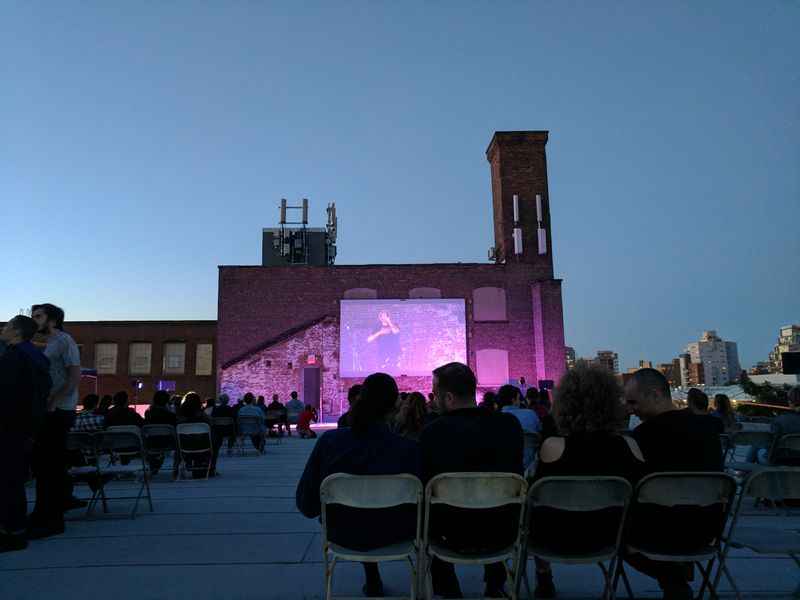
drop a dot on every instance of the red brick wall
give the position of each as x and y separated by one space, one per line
88 333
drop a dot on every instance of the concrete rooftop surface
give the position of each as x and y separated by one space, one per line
239 536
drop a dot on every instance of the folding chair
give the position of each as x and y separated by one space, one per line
578 495
247 426
371 492
86 444
670 491
475 491
226 428
160 440
274 416
761 440
786 451
194 441
126 454
776 484
125 444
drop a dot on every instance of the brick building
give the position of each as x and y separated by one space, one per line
278 326
177 356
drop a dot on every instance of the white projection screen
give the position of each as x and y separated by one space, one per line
400 337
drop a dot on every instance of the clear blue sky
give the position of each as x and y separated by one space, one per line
144 143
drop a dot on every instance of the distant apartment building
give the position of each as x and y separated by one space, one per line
761 368
608 360
690 373
719 359
788 341
570 357
672 371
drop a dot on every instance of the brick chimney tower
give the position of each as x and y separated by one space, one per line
519 168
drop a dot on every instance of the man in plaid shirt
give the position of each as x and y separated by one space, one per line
86 420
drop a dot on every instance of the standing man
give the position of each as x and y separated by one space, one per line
53 485
24 388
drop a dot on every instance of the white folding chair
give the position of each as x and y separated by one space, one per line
670 491
770 483
475 491
371 492
578 495
194 442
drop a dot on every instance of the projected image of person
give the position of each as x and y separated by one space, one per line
387 339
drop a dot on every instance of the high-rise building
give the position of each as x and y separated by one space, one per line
761 368
788 341
607 359
720 359
672 371
569 351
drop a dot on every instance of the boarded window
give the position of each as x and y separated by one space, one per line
425 292
360 294
174 358
139 356
205 359
489 304
105 358
492 366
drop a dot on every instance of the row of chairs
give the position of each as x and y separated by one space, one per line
779 448
480 491
244 426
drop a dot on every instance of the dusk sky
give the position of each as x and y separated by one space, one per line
144 143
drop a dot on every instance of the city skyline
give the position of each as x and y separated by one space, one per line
146 146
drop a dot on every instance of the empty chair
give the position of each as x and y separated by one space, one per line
602 503
770 483
371 492
474 492
786 451
126 454
679 518
196 450
160 440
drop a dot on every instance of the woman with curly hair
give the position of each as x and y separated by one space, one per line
410 417
589 413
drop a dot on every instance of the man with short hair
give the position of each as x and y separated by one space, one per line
87 420
159 412
121 414
352 395
788 422
279 410
249 409
697 402
24 389
672 440
469 438
50 457
294 407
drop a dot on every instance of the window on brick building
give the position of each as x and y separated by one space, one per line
425 292
204 365
174 362
140 355
105 358
492 366
269 363
489 304
360 294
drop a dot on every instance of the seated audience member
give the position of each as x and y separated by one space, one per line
175 404
724 411
224 411
293 408
122 414
88 420
282 420
352 396
261 404
788 422
671 440
489 401
365 447
589 414
509 399
250 409
469 438
159 413
105 404
410 416
308 416
697 402
544 412
191 411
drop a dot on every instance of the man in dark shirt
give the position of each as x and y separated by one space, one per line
672 440
469 438
121 414
158 413
24 369
366 447
277 415
352 396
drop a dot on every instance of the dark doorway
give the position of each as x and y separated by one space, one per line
311 387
